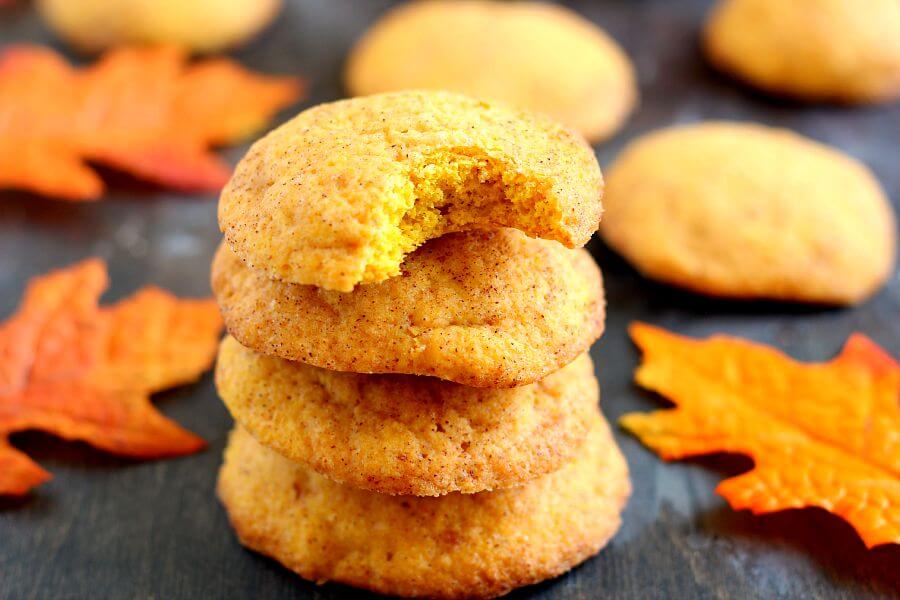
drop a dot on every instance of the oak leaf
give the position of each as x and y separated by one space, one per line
84 372
825 434
145 111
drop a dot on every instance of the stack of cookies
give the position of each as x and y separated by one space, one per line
410 318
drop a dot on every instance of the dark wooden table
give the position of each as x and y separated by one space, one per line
111 528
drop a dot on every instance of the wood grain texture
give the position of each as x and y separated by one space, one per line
109 528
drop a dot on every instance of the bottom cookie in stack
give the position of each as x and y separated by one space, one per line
452 546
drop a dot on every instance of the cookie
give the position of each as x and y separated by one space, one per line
402 434
818 50
200 25
537 56
456 546
746 211
481 308
341 193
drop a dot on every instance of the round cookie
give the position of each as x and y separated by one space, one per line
200 25
542 57
826 50
481 308
456 546
402 434
746 211
341 193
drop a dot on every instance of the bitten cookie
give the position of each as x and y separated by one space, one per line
343 192
200 25
401 434
456 546
746 211
538 56
827 50
482 308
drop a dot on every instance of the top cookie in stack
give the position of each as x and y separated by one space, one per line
411 318
342 193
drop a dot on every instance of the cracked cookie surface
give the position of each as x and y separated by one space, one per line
535 55
481 308
403 434
340 194
746 211
456 546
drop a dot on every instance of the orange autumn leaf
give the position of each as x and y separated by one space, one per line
825 434
145 111
84 372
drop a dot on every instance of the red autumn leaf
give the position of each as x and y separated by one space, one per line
145 111
825 434
84 372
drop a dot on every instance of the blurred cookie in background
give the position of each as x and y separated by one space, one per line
820 50
533 55
199 25
746 211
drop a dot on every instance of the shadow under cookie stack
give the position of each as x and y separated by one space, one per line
409 314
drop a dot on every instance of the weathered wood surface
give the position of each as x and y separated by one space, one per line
109 528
